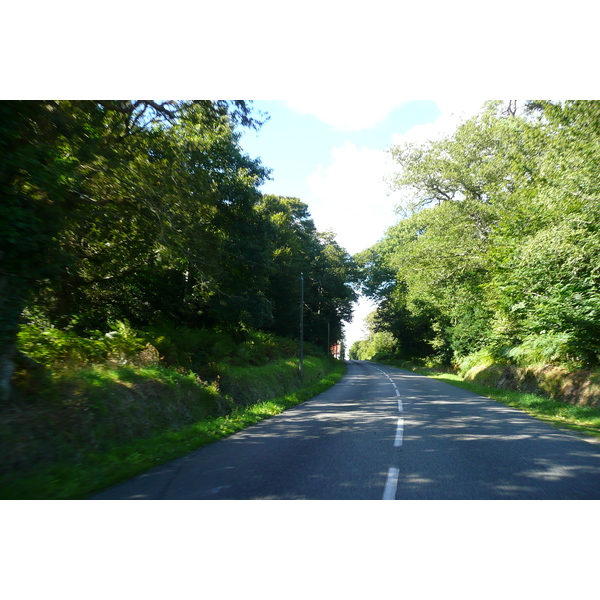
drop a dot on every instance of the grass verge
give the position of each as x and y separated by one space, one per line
582 419
95 471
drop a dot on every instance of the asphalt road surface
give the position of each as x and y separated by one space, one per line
383 434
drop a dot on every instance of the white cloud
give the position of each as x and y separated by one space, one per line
453 112
352 195
351 198
351 114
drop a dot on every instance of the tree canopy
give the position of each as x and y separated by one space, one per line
499 250
151 212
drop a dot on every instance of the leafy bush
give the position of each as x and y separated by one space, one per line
204 352
123 343
483 357
52 347
544 348
196 349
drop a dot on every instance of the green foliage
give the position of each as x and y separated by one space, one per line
50 346
248 384
296 248
481 358
384 342
198 350
201 349
498 251
149 213
381 345
87 409
541 349
105 424
53 347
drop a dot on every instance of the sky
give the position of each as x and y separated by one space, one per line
332 155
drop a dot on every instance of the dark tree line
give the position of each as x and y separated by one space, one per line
151 212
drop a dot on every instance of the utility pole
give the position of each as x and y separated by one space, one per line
301 325
328 336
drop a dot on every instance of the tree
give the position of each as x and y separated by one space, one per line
500 241
545 278
296 247
431 270
103 200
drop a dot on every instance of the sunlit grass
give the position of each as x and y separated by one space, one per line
120 460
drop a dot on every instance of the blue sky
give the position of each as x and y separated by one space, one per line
307 154
331 154
294 144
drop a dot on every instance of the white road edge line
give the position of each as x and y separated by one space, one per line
399 432
389 493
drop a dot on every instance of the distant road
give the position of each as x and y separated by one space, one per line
383 433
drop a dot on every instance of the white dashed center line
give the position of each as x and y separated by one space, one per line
399 433
389 493
391 484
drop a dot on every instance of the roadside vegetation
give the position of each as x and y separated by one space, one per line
494 270
150 294
80 426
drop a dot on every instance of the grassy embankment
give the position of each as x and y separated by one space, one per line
89 426
572 415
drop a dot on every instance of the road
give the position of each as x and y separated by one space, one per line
383 434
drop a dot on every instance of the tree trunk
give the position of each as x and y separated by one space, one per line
12 302
7 368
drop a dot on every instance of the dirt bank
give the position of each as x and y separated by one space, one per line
580 387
